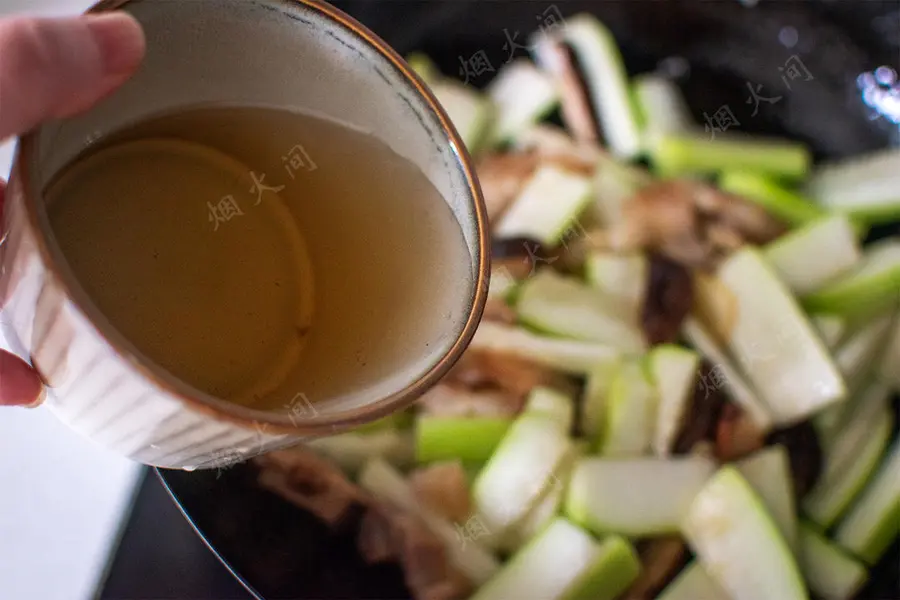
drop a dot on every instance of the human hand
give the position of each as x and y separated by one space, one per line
51 69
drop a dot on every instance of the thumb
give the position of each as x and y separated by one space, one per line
55 68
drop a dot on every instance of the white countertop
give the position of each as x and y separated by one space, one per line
63 500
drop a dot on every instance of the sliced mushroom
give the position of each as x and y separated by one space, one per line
702 417
515 376
805 452
555 146
444 488
456 401
736 434
387 534
502 176
668 301
556 57
310 482
690 222
661 560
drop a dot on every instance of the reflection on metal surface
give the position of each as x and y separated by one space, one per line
880 91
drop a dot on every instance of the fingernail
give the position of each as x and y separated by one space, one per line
19 383
121 41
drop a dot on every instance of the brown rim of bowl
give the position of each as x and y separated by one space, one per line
278 423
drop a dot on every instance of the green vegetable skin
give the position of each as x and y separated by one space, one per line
565 307
693 583
596 391
853 466
874 285
874 521
553 405
690 154
607 83
565 563
857 356
631 413
470 439
865 186
768 471
889 369
782 203
532 216
775 344
635 497
521 471
738 543
674 372
831 573
811 256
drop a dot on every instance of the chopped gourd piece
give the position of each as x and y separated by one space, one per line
831 329
424 67
607 83
470 111
388 485
674 370
470 439
522 95
614 184
563 306
849 463
547 206
831 573
857 356
620 276
631 413
872 286
570 356
662 108
693 583
635 497
874 521
768 471
775 344
815 254
551 404
677 154
738 543
779 201
565 563
596 391
867 187
521 471
738 388
889 367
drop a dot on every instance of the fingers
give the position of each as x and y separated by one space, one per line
19 383
55 68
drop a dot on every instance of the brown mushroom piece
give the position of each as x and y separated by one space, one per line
387 534
736 434
804 452
668 301
661 560
689 222
483 370
311 482
502 176
443 488
578 114
702 416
